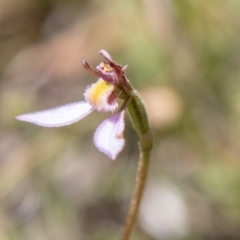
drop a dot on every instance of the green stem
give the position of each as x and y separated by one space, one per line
137 195
138 115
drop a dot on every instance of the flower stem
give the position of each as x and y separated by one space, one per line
138 115
137 195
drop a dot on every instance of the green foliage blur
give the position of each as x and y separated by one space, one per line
183 57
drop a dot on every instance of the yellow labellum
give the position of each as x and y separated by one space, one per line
97 90
98 95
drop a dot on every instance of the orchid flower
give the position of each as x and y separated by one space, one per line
102 96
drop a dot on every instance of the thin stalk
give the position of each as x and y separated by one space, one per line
137 195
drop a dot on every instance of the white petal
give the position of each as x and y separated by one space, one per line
59 116
108 136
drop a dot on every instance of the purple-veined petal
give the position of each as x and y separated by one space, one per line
59 116
106 55
108 137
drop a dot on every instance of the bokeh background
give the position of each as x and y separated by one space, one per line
183 57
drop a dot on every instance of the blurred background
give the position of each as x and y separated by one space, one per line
183 57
